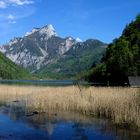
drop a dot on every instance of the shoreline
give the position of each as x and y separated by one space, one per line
118 104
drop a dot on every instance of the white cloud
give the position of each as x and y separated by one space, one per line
6 3
21 2
17 13
11 17
3 4
78 40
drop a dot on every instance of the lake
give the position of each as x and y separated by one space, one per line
40 82
18 124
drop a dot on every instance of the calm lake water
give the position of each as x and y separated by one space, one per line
18 124
51 82
41 82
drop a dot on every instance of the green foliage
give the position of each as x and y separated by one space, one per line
9 70
98 73
122 57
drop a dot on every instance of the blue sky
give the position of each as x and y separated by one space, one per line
98 19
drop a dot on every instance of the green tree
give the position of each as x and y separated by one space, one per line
122 58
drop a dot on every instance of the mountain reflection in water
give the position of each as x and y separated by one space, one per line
16 123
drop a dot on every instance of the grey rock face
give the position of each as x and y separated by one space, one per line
37 48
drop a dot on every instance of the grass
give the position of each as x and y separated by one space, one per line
122 105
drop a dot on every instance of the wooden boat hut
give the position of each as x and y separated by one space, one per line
134 81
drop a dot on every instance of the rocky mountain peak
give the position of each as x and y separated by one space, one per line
50 27
32 32
42 47
48 30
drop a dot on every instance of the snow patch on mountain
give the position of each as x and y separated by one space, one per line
48 30
12 42
32 32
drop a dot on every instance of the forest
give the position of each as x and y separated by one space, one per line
121 60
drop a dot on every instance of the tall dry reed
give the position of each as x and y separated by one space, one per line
122 105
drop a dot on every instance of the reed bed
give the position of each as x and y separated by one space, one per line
122 105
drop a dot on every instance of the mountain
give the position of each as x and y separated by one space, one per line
37 48
9 70
122 57
79 58
44 53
